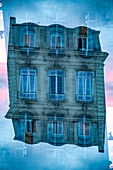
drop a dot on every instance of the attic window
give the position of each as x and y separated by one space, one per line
56 41
82 39
82 43
56 37
29 39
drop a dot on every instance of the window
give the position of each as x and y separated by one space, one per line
82 43
30 126
56 84
56 41
83 39
29 40
28 83
84 126
56 127
84 129
85 81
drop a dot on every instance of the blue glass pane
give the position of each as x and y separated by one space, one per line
88 98
24 71
53 97
52 72
80 73
53 85
24 84
60 73
88 74
32 72
60 90
88 92
80 98
80 83
60 97
32 89
80 91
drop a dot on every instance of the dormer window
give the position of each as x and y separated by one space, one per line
82 43
56 38
56 41
29 39
83 39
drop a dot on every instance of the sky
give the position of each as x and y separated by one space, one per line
70 13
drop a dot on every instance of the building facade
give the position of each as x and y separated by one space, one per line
56 84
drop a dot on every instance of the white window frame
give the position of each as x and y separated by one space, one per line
56 75
30 34
55 35
28 94
84 87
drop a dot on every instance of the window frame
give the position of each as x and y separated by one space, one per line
57 126
30 33
56 35
84 89
31 126
55 74
27 92
84 121
83 48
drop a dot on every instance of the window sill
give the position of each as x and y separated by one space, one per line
83 100
56 97
83 137
27 100
27 50
31 134
56 52
57 135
